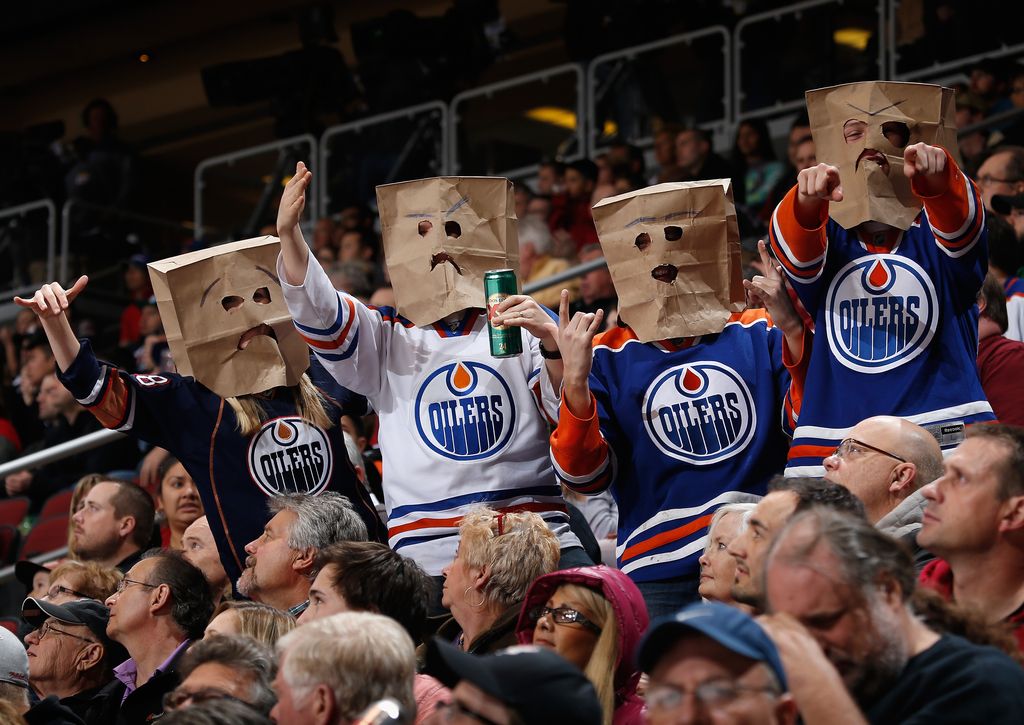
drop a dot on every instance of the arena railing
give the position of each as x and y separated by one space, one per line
20 212
670 56
773 74
540 94
376 163
287 151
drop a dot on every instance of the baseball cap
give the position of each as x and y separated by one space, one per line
728 626
26 569
88 612
1005 203
538 684
13 660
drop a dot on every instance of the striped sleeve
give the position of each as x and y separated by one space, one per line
343 333
800 250
797 376
580 455
957 215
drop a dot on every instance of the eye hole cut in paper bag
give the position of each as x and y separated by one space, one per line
225 317
673 251
891 117
440 236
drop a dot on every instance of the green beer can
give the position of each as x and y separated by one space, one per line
499 285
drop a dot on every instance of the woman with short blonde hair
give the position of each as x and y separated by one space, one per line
259 621
71 580
499 556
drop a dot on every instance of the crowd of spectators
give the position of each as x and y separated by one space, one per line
891 590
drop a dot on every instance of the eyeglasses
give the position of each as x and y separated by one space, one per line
712 694
564 615
46 628
178 698
988 180
852 446
58 589
450 711
126 582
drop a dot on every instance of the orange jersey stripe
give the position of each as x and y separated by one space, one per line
454 521
665 537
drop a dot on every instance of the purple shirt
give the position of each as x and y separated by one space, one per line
127 671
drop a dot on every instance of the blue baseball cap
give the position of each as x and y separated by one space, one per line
728 626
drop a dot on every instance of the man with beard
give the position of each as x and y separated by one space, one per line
113 525
279 568
839 595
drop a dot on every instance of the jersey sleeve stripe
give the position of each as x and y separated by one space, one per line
335 357
810 451
454 521
665 537
341 338
113 407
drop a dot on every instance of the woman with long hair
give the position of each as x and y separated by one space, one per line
594 617
177 501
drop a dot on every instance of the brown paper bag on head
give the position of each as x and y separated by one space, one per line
225 318
440 236
890 116
673 251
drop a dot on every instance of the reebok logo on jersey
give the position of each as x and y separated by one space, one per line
290 455
465 412
700 413
882 313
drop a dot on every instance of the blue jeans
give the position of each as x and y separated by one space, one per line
668 596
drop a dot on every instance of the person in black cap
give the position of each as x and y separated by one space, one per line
1011 208
720 656
516 686
70 656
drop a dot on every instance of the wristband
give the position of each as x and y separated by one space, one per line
550 354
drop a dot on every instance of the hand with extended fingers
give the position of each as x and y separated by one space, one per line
769 291
925 166
52 300
293 200
525 312
819 182
575 340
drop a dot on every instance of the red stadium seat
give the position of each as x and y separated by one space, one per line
59 504
13 510
10 624
9 537
47 535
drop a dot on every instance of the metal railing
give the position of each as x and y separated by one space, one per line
619 60
282 148
61 451
544 78
20 211
421 115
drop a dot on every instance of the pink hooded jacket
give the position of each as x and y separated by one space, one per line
630 615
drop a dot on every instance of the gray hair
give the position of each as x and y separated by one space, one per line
535 231
362 657
320 520
867 557
744 509
245 656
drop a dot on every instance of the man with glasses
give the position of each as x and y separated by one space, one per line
712 663
70 655
1001 173
226 666
975 522
161 605
886 462
786 497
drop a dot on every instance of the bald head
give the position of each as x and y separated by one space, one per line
870 464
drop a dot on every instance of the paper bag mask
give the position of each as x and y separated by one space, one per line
225 318
673 251
863 128
440 236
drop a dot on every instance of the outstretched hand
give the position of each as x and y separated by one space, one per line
575 342
925 166
769 291
819 182
51 299
293 200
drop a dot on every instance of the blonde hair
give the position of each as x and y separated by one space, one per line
259 621
82 488
310 404
600 669
362 657
88 578
744 509
516 547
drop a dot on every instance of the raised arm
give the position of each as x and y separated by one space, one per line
50 303
797 230
951 201
294 250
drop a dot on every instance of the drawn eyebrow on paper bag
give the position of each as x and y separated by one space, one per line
671 216
875 113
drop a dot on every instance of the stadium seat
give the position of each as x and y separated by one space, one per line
45 536
9 537
59 504
10 624
13 510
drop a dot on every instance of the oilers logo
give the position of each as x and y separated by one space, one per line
290 455
883 312
465 411
700 413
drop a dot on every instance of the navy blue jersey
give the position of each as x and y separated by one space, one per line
233 473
